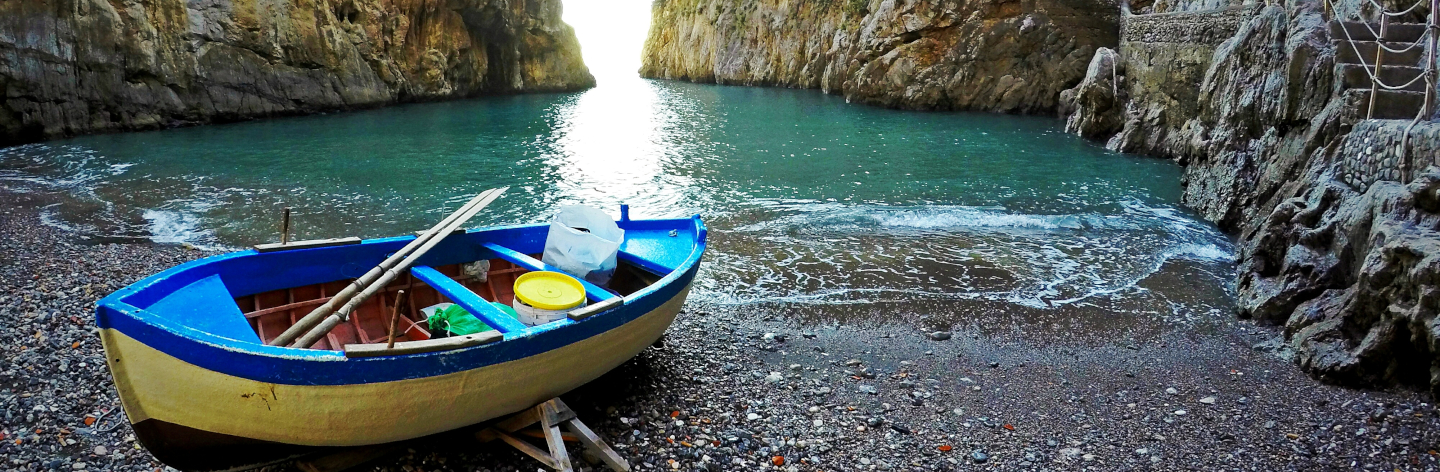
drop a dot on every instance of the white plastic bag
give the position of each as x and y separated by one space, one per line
583 241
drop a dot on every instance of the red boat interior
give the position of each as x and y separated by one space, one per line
270 313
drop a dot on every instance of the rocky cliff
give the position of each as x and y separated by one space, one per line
78 66
1337 217
998 55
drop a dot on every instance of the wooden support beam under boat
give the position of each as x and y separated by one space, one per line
551 415
594 292
467 299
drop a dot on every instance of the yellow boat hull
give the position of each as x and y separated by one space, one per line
189 415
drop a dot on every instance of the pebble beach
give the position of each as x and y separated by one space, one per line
746 387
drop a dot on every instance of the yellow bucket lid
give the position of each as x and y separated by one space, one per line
549 290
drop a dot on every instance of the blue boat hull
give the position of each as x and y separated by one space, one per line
204 393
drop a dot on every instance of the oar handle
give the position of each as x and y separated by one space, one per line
343 313
308 321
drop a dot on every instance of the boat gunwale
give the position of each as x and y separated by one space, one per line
530 341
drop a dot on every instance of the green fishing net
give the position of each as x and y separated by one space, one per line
458 322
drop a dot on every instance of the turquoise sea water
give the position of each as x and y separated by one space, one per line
814 203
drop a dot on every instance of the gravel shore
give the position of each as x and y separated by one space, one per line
748 388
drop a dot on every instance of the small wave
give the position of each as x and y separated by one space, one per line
834 253
1204 252
840 217
966 217
836 216
49 216
173 227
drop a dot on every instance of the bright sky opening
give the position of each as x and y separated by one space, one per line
611 34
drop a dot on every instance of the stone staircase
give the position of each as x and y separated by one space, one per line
1395 68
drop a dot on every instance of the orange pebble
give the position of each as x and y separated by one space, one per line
778 460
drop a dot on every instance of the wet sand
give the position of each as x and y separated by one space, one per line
736 387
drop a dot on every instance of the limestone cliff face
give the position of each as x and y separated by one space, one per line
78 66
998 55
1337 217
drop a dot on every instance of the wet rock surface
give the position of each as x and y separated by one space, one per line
740 388
1010 56
80 66
1336 235
1095 108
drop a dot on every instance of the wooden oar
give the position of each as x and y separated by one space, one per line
339 316
308 321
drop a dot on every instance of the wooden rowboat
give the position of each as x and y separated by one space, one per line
203 391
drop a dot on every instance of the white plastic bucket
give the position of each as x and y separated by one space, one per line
532 316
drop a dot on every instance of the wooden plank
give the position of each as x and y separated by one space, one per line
587 310
550 418
589 438
347 458
287 307
457 231
311 244
551 415
537 434
554 412
428 345
520 420
528 449
593 441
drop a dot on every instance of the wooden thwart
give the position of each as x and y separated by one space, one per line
427 345
552 415
310 244
586 311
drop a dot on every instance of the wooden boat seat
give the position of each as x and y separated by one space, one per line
467 299
194 306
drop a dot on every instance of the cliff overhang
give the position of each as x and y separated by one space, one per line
71 67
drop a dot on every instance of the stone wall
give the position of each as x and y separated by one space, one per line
1165 57
1375 151
1210 27
79 66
